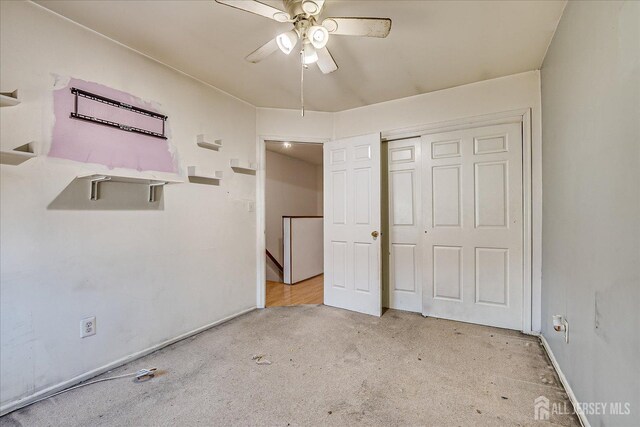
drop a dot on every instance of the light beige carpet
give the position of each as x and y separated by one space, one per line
328 366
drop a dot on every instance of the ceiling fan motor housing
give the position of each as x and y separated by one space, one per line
294 8
307 8
302 24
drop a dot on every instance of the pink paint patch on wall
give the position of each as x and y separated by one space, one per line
89 142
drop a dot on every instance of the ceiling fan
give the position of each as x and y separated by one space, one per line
308 30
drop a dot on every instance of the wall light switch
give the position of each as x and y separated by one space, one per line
87 327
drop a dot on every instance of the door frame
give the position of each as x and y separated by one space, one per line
531 196
261 214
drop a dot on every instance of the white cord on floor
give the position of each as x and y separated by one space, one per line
141 375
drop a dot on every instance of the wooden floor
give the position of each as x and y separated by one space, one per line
311 291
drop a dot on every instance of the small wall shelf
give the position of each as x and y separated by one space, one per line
237 166
9 99
209 142
95 179
197 175
17 155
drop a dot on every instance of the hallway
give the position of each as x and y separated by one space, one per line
309 291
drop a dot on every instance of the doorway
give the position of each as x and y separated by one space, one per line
293 192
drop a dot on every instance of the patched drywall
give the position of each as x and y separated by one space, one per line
591 234
149 272
90 142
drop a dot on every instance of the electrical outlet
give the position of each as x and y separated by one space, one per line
87 327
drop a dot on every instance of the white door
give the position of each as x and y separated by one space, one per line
472 198
352 224
405 225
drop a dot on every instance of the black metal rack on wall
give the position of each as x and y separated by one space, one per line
117 104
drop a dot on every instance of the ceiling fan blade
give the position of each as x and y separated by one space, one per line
258 8
263 51
325 61
367 27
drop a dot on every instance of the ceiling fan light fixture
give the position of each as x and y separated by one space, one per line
330 24
281 17
287 41
318 36
312 7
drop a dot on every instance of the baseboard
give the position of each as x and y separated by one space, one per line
565 383
20 403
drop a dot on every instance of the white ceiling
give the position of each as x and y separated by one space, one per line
433 45
310 153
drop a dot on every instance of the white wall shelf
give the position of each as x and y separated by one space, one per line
17 155
9 99
240 167
209 142
202 177
95 179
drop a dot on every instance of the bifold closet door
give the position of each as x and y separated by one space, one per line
405 225
473 225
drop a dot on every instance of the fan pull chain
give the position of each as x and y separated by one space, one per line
302 82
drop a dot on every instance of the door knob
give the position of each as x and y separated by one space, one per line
375 234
